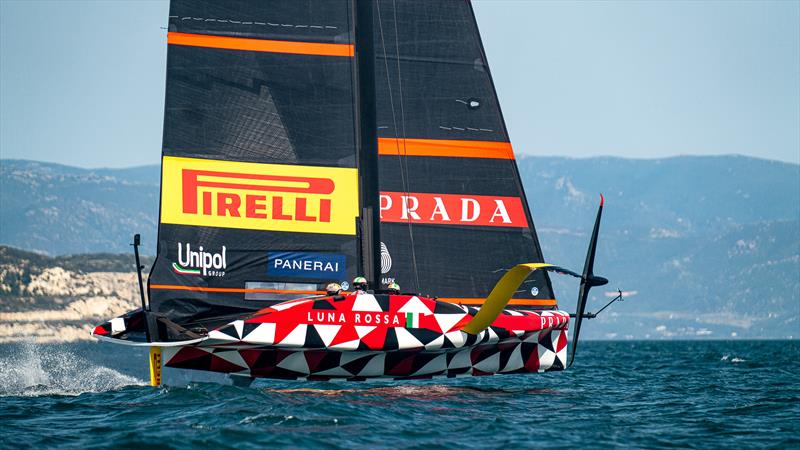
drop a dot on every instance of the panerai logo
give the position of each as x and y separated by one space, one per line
199 262
315 266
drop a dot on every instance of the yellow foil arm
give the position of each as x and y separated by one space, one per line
500 295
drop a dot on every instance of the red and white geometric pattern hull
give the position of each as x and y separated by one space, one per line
534 352
360 336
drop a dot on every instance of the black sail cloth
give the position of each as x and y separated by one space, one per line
260 199
258 151
445 149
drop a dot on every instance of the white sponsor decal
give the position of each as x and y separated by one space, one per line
207 263
386 259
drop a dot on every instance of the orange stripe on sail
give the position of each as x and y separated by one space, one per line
512 302
176 287
260 45
445 148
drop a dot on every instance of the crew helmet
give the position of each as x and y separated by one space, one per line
359 284
333 289
393 288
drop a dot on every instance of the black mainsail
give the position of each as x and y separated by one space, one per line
310 141
454 214
267 192
259 196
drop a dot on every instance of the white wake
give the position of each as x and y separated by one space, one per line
35 370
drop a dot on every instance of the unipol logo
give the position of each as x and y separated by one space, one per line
198 261
259 196
451 209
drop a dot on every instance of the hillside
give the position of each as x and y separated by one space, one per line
710 245
55 209
707 246
58 299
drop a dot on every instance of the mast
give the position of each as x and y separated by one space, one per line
367 142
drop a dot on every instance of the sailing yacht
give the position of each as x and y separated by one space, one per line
308 142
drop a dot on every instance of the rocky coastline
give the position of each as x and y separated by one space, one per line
57 300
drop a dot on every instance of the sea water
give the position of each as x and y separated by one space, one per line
696 394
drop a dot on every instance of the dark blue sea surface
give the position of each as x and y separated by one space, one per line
701 394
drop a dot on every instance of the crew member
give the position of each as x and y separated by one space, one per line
359 284
393 288
333 289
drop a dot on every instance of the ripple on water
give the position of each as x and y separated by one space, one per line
640 394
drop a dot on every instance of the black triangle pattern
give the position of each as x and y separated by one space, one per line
420 360
446 308
383 302
447 343
357 365
390 343
505 355
331 360
424 335
313 339
229 330
546 341
248 328
323 304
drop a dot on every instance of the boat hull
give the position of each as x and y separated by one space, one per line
534 352
361 336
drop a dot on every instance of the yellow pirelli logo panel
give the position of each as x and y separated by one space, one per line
253 196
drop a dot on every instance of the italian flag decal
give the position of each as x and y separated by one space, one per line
179 269
412 320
